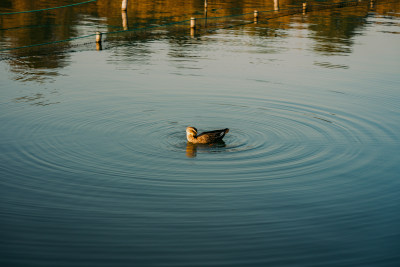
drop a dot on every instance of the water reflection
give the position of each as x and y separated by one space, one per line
192 149
38 99
329 65
337 38
107 174
332 30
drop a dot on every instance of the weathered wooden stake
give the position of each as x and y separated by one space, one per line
98 37
124 16
276 5
98 41
193 23
304 8
124 5
205 3
256 14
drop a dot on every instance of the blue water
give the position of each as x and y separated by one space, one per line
96 170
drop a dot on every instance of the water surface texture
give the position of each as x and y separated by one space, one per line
95 169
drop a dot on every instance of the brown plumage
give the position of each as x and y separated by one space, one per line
206 137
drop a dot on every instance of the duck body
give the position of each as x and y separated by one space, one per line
206 137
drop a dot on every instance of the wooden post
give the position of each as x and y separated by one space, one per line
255 14
124 5
98 37
205 3
124 20
193 23
304 8
98 41
276 5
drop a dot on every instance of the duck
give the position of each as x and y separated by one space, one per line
206 137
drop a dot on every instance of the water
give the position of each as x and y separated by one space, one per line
96 171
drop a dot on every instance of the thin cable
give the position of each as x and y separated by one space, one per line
292 11
45 9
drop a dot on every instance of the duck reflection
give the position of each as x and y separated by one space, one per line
191 149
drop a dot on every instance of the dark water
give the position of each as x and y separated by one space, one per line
96 171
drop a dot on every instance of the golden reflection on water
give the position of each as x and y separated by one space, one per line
192 149
332 30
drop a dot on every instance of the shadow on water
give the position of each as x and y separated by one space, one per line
193 149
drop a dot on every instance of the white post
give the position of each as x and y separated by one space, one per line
276 5
124 5
98 41
193 23
124 20
98 37
255 16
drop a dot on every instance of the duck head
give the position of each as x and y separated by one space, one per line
191 132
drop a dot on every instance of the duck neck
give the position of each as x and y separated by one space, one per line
191 138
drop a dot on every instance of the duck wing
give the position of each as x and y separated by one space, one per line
212 136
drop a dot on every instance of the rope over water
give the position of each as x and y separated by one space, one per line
45 9
281 13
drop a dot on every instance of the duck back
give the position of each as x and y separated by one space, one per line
211 136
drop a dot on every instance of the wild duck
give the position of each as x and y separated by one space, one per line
206 137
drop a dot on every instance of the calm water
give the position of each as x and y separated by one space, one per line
96 171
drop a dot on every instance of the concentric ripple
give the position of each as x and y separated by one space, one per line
130 172
268 140
307 175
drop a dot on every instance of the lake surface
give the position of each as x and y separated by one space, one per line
96 170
